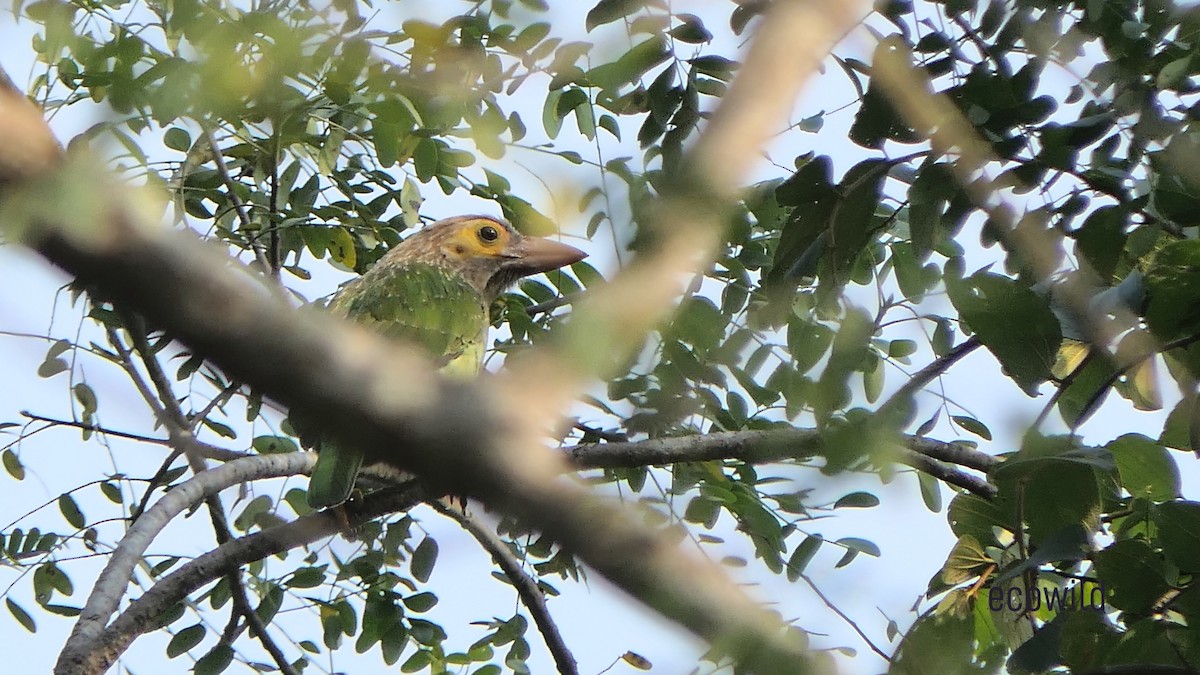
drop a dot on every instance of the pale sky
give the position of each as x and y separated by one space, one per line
598 623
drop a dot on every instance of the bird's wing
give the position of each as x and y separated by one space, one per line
423 304
419 303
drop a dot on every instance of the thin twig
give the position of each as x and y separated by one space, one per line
95 428
551 304
945 473
273 243
207 450
1062 388
1124 368
239 207
609 436
926 375
219 400
155 482
849 622
527 587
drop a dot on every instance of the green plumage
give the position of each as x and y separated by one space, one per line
434 289
423 304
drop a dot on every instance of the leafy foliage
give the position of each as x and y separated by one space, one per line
306 139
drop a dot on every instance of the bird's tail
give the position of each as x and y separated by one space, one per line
333 475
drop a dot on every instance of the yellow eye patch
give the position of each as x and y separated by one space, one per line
478 238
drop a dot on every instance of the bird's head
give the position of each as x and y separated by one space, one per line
487 252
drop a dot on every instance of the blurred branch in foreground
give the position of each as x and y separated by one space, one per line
380 396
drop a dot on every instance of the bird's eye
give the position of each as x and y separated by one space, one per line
488 233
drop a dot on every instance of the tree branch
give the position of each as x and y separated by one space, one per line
110 586
924 454
927 374
142 614
239 208
527 587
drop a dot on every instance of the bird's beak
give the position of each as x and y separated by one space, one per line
532 255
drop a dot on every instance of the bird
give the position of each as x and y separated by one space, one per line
434 290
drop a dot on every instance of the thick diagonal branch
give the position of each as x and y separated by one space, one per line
388 401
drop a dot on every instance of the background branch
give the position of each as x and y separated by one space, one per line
110 586
756 447
142 614
527 587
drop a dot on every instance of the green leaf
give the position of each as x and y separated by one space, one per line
714 65
1146 468
86 397
877 121
854 221
307 577
421 602
973 425
632 65
939 642
1101 239
215 661
70 511
426 159
803 555
219 428
1057 494
417 662
1067 545
857 500
21 615
524 217
691 30
551 120
1087 389
177 138
807 342
51 367
1013 322
607 11
744 12
12 464
873 380
908 271
964 561
898 349
423 559
1179 533
1132 574
703 511
850 344
1173 288
273 445
1172 74
860 545
111 492
185 639
931 491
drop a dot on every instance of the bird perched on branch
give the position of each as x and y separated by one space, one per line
434 290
